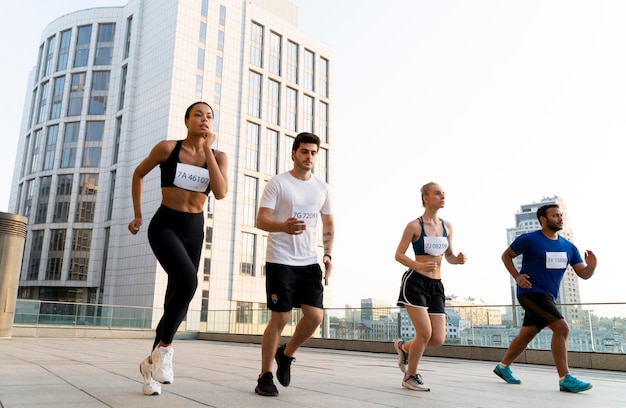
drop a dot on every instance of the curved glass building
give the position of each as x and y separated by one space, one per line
109 84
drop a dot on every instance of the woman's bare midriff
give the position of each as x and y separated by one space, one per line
183 200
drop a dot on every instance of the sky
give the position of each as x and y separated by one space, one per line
501 103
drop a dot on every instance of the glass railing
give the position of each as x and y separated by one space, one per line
594 327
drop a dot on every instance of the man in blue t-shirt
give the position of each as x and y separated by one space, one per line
546 255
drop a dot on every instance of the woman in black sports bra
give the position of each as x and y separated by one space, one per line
190 169
421 292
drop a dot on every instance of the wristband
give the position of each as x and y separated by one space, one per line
329 257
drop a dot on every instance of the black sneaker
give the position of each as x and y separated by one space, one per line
265 385
283 372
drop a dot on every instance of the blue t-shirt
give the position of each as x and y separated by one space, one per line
545 261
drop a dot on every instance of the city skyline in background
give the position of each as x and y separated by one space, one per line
502 104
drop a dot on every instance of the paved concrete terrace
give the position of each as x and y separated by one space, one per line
79 372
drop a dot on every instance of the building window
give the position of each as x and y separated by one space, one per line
256 45
43 101
120 104
51 145
64 49
93 144
99 92
252 147
219 63
63 197
271 152
321 165
291 109
42 200
57 97
35 254
292 62
287 146
254 95
55 254
244 312
323 122
81 54
324 77
248 243
47 70
28 200
275 53
309 70
86 200
250 201
70 142
34 155
129 29
222 15
220 40
118 136
200 62
273 102
81 245
307 114
77 90
111 195
104 44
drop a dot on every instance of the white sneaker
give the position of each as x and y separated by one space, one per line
415 382
150 387
162 370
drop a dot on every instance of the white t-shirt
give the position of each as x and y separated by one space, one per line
303 199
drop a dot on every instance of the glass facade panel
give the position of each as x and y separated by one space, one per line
104 44
275 53
292 62
51 145
57 97
250 201
43 199
271 152
86 200
63 196
254 95
256 45
64 49
81 53
309 70
247 254
273 102
99 92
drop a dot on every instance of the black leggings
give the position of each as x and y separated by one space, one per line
176 240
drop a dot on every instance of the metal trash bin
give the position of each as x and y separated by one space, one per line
12 238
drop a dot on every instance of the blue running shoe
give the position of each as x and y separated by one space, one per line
506 374
569 383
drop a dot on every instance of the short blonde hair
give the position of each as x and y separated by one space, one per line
425 190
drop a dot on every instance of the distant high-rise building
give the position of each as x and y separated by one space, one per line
569 293
374 309
109 84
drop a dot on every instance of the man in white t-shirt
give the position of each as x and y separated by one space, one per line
292 204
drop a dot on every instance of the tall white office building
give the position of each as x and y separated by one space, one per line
569 292
109 84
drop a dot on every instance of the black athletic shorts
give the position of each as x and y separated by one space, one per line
421 291
539 309
293 286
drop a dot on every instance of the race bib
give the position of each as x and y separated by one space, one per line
306 213
191 177
556 260
435 245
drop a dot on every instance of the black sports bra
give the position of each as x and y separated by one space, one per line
185 176
435 246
